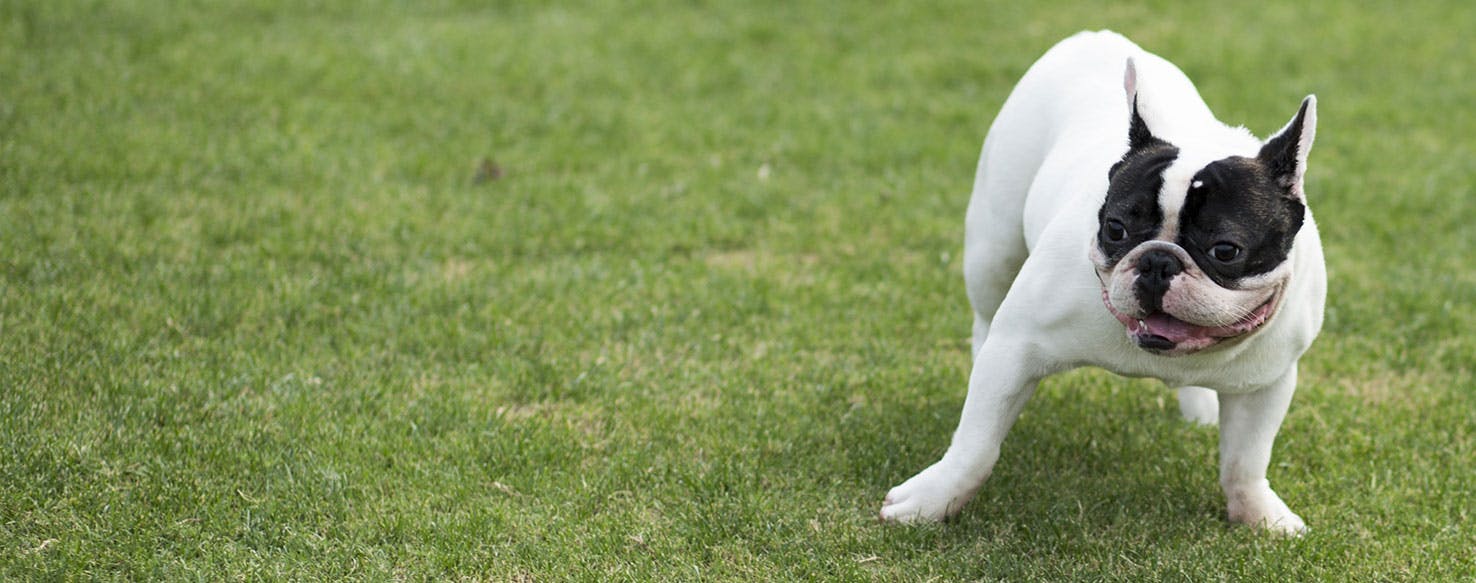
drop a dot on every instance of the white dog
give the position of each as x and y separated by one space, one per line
1139 235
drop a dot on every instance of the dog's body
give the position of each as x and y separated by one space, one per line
1196 263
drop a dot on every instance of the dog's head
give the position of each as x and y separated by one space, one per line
1194 235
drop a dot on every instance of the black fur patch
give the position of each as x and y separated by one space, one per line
1138 135
1243 202
1132 197
1132 189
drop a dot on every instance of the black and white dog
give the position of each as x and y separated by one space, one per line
1142 236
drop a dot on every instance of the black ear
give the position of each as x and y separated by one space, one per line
1285 154
1139 136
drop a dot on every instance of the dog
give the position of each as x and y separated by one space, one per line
1143 236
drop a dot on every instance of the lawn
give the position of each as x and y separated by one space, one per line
536 291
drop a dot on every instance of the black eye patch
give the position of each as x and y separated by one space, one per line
1237 200
1132 199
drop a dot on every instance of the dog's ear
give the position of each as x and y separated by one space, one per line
1285 154
1139 136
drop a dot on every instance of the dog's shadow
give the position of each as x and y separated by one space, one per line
1092 451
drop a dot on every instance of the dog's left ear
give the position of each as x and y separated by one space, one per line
1285 154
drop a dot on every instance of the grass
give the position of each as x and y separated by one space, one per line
259 318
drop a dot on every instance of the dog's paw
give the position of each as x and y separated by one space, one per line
1261 509
932 495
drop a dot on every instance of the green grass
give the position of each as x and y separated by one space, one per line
259 321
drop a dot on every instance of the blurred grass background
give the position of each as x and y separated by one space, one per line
665 290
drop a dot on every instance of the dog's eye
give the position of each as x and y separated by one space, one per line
1224 252
1114 230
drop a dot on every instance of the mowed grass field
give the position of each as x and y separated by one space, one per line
639 291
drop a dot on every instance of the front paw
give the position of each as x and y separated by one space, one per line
932 495
1261 508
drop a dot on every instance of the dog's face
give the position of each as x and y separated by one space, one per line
1192 251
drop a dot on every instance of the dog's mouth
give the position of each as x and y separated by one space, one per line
1162 333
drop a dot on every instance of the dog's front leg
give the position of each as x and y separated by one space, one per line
1248 425
1001 382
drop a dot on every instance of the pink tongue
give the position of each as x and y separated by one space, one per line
1172 328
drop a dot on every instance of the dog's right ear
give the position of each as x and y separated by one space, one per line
1139 136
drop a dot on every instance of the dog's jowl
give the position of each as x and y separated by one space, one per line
1116 223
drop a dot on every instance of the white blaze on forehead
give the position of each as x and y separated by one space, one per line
1178 178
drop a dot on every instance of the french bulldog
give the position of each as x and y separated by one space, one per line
1139 235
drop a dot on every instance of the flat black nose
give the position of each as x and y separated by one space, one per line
1156 269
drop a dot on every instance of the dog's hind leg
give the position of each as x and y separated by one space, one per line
994 239
1199 405
988 272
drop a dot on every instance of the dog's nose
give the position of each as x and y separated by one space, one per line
1159 265
1156 269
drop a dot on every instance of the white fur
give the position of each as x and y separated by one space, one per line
1031 224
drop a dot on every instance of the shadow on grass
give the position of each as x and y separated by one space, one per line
1092 455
